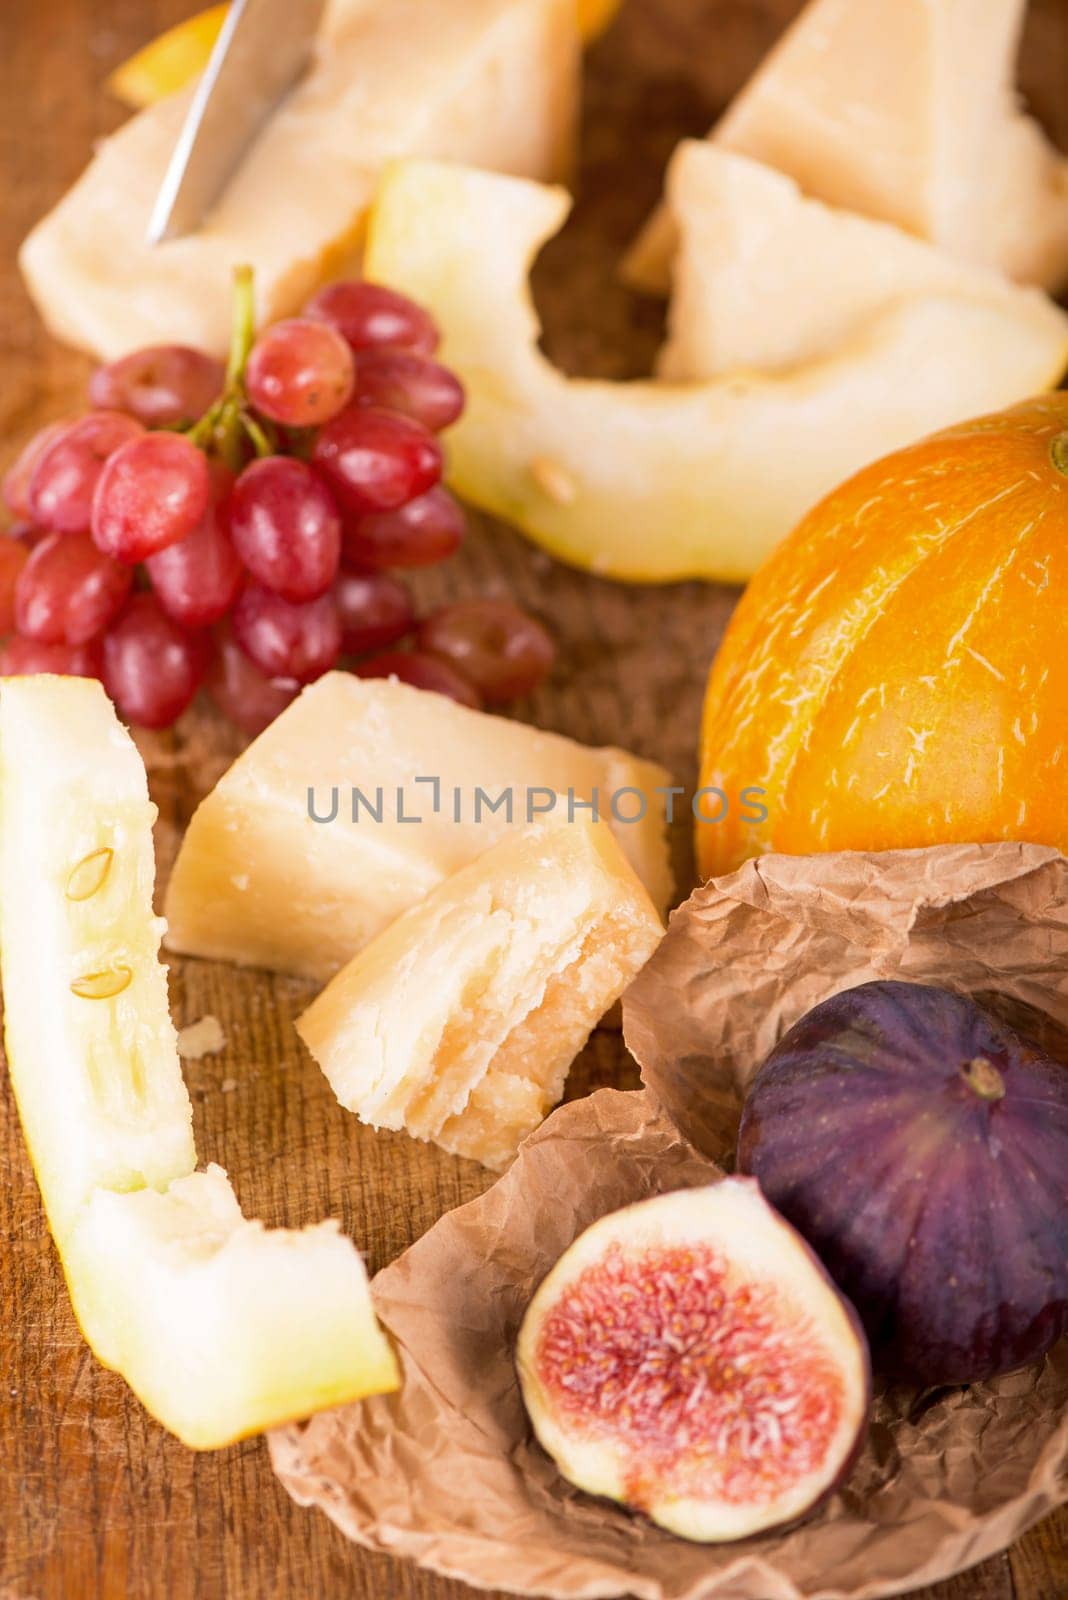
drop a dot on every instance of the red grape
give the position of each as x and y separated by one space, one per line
422 672
399 380
242 694
25 658
16 485
24 534
197 580
300 373
375 609
294 642
285 527
503 651
369 314
68 592
64 479
13 557
152 493
152 667
162 385
427 530
376 460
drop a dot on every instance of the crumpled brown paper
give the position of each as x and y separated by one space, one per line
446 1472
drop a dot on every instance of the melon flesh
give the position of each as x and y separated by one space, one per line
98 1081
652 482
221 1327
258 882
460 1021
492 81
766 279
903 110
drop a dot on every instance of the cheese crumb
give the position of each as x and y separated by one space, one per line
199 1039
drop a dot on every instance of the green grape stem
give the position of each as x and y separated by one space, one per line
227 425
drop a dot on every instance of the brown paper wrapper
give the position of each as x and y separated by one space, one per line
447 1472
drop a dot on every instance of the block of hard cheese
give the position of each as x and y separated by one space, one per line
403 782
460 1021
492 82
903 110
768 279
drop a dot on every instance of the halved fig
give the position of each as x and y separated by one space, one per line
689 1357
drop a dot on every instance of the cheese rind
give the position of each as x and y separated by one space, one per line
259 882
902 110
767 279
487 80
461 1020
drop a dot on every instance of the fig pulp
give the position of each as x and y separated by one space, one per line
921 1147
689 1357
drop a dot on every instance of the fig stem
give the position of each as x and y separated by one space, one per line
1058 452
984 1078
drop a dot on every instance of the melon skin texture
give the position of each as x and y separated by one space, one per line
921 1146
221 1327
651 482
905 111
689 1357
459 1023
493 81
258 882
894 675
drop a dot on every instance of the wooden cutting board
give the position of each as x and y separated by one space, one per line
96 1502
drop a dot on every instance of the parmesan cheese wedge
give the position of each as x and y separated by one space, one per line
768 280
360 799
460 1021
493 81
903 110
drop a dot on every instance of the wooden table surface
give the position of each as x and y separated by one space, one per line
96 1502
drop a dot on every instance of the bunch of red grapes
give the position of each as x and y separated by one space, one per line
240 528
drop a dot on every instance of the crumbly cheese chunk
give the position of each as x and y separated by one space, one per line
460 1021
487 81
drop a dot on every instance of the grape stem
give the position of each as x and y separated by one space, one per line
226 424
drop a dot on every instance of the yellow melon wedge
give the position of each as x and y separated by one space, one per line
493 81
653 482
906 111
221 1327
170 61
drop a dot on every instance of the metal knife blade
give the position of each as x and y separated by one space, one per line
263 49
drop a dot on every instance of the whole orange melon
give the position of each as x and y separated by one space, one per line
896 674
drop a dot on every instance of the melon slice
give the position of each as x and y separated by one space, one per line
903 110
460 1021
769 280
259 882
649 482
493 81
221 1327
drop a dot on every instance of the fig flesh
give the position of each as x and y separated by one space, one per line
921 1147
689 1357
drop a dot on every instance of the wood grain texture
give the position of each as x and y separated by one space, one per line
96 1502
